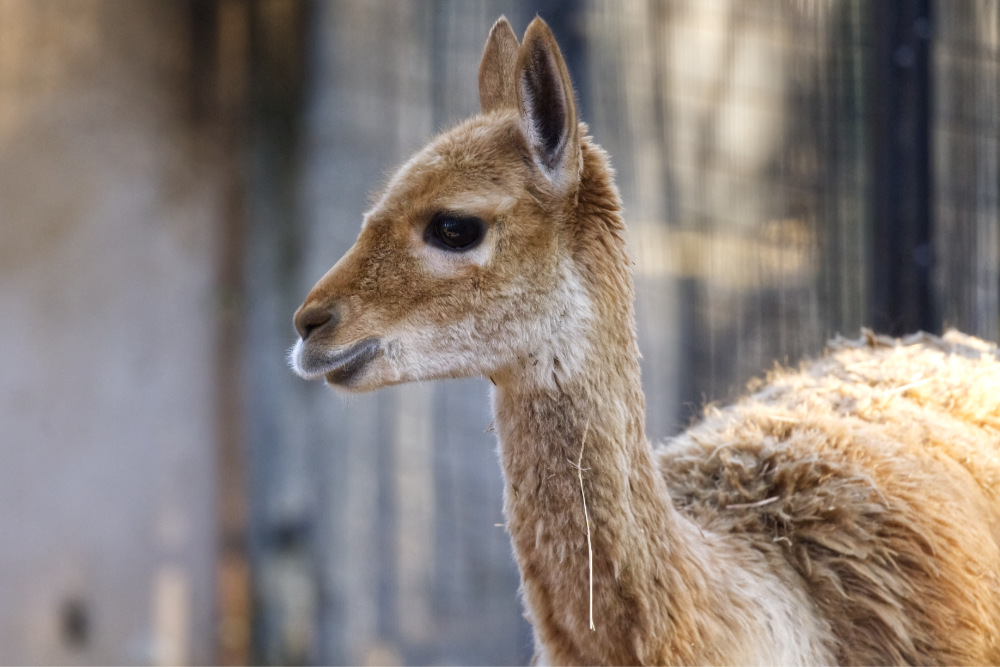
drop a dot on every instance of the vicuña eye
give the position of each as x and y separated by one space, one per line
455 232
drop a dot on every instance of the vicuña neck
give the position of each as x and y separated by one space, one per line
577 439
584 443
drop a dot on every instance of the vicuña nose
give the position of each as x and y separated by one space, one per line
310 318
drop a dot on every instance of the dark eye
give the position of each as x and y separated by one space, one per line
455 232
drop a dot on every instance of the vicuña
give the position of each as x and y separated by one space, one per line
845 512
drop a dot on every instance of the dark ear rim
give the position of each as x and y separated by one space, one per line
546 102
496 68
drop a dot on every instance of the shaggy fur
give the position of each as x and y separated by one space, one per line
871 478
846 512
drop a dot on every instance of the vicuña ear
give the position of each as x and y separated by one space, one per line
496 69
545 101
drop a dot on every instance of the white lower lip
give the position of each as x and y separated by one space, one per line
328 362
295 361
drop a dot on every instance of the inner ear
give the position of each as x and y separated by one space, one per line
546 104
543 102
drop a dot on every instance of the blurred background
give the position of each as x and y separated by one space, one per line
175 175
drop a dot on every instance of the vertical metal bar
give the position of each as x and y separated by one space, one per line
219 74
901 256
280 531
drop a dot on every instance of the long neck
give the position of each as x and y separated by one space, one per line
585 503
583 499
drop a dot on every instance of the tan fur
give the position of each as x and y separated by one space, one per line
846 512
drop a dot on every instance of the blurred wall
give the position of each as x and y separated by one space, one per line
108 255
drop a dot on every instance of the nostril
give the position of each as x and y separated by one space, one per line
310 318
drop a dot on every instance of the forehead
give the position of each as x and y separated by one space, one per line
477 160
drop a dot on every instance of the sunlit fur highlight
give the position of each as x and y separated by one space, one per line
845 512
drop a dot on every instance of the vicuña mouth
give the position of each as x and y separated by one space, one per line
340 367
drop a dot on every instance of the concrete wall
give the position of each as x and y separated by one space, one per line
108 246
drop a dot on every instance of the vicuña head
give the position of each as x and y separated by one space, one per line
846 512
473 256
